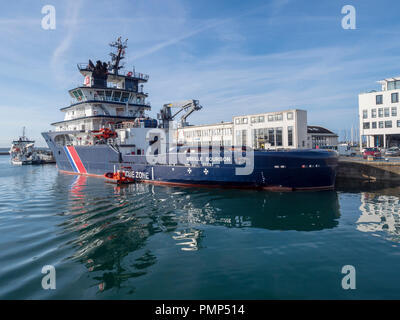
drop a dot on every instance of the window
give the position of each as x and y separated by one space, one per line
392 85
380 124
395 97
387 112
270 117
380 112
261 119
237 121
373 125
379 99
394 111
244 120
290 115
290 135
278 117
278 136
253 119
398 123
366 125
388 124
365 114
271 136
373 113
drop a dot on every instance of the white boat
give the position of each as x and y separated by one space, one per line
22 151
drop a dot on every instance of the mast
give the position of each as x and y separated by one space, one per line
116 58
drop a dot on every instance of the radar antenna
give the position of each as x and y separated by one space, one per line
116 58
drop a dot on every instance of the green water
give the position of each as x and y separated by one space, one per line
155 242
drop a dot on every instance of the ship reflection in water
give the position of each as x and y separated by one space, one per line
113 224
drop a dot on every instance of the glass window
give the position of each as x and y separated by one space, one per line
271 136
290 115
398 123
392 85
278 136
379 99
394 111
244 120
365 114
237 121
380 124
270 117
366 125
388 124
373 113
117 96
261 119
373 125
395 97
253 119
380 112
278 117
387 112
290 136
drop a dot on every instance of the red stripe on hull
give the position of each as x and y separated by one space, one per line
77 159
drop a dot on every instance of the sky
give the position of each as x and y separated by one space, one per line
236 57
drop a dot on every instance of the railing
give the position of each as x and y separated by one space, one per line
137 75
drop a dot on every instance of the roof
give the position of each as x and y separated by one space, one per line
319 130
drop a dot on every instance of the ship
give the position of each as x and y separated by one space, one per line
22 150
106 130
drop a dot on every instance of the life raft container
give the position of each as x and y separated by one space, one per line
118 178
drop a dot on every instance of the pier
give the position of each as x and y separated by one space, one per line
379 170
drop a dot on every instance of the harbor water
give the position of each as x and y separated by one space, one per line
154 242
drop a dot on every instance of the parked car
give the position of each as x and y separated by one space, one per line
375 152
393 152
345 150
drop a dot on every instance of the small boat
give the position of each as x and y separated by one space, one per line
118 178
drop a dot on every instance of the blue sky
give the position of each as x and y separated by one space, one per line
236 57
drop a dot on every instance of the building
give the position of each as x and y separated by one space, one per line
320 137
379 115
272 130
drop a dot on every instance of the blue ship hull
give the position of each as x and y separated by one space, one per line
274 170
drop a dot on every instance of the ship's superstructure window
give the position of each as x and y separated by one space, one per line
394 111
373 113
380 124
278 117
388 124
398 123
366 125
379 99
380 112
374 125
290 115
395 97
270 117
365 114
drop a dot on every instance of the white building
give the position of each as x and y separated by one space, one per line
379 114
320 137
273 130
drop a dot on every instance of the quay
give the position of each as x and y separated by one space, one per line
378 170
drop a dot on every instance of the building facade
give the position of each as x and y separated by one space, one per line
273 130
320 137
379 114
